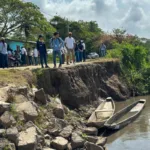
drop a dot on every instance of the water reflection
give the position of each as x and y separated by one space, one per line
135 136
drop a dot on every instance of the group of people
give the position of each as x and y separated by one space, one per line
69 51
74 51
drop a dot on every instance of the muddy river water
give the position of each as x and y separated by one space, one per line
135 136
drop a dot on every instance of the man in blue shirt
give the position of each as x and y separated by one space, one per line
41 47
56 44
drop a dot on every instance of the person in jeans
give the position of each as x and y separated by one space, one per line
103 50
1 46
70 45
41 47
56 44
4 54
35 55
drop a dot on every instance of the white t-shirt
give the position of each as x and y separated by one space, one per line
70 42
4 49
84 47
35 52
23 51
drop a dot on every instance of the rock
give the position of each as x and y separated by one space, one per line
2 132
54 132
12 134
47 142
69 147
91 146
92 139
59 111
66 109
23 90
19 98
29 111
39 147
47 148
77 141
66 132
101 141
28 139
40 96
7 119
47 136
91 131
40 139
6 145
59 143
31 124
4 107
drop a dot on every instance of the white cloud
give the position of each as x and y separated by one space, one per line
133 15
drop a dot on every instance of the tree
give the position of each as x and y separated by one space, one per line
119 34
23 18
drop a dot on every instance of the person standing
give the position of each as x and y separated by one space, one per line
41 47
103 50
70 45
4 54
30 54
84 51
77 52
56 44
80 47
23 56
35 55
1 46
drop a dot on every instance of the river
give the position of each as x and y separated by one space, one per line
135 136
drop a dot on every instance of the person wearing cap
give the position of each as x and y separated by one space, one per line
4 54
56 43
70 45
41 47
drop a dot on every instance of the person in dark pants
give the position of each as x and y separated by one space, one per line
80 47
77 52
23 56
41 47
4 54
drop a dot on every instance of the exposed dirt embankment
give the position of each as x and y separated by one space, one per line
82 84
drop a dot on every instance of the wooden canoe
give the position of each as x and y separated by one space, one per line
126 115
104 111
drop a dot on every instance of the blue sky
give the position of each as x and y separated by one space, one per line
132 15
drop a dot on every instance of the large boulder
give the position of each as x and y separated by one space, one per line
47 148
91 146
4 107
91 131
66 132
77 141
12 134
40 96
28 139
59 143
29 111
59 111
7 119
2 132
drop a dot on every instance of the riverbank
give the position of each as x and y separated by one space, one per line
47 113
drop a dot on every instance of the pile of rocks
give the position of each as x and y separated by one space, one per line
32 120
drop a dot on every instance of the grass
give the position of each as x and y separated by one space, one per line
16 77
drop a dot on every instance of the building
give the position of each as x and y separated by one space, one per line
17 44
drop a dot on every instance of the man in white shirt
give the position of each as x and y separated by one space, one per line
84 51
70 45
23 55
35 54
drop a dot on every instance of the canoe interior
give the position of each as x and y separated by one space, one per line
127 113
104 111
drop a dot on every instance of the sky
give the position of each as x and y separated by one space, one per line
132 15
